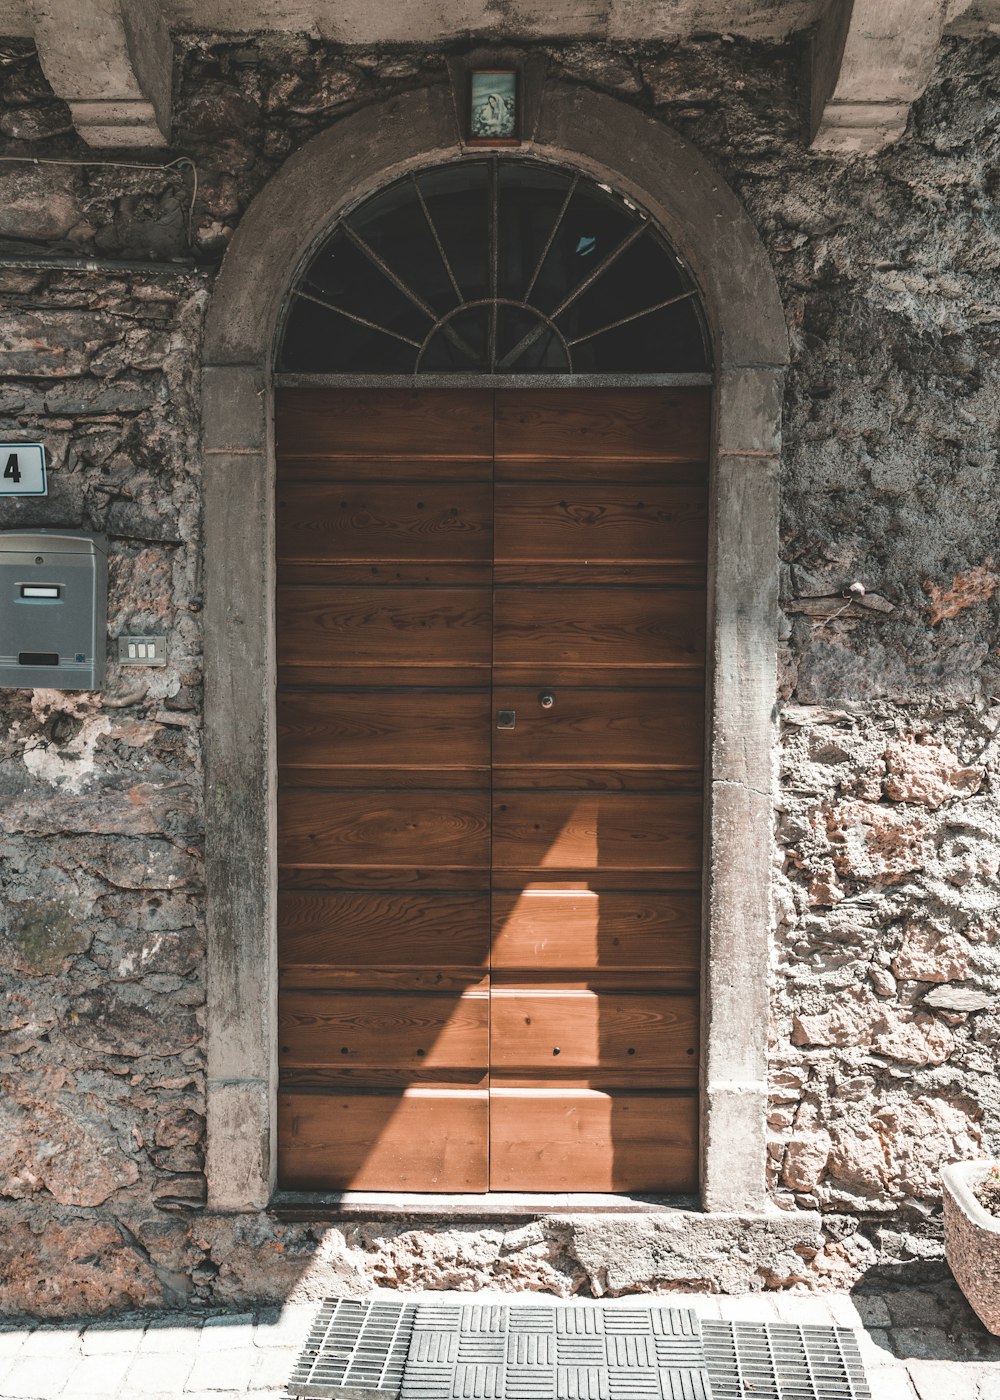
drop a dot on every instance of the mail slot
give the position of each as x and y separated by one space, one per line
53 609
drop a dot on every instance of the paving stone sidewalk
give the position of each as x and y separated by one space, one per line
918 1343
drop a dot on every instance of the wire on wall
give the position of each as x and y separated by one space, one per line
171 166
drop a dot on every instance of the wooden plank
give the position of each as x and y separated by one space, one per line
330 468
647 726
590 572
392 730
374 523
596 831
598 627
365 929
372 627
336 879
377 1081
630 778
420 1140
553 1032
614 424
576 470
515 881
579 1140
341 675
383 829
316 976
403 423
359 1030
544 927
544 673
393 575
601 524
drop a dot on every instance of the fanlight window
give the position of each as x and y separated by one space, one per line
496 266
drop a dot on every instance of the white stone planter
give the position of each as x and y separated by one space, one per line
972 1240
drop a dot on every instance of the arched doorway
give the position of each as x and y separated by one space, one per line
667 179
490 714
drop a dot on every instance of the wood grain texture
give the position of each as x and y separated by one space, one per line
437 731
384 627
420 1140
598 627
376 523
599 728
596 831
579 1140
433 424
396 610
604 930
359 1030
553 1032
613 424
378 929
383 829
601 524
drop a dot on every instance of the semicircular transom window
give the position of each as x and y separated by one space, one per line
494 266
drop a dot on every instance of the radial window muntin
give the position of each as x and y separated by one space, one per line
501 266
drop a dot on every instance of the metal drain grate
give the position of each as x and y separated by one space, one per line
379 1349
356 1349
781 1361
584 1351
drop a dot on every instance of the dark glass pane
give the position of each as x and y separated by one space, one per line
394 226
343 275
593 225
530 200
457 198
668 341
318 342
642 277
539 348
461 345
554 230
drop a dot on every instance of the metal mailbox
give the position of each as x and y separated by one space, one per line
53 609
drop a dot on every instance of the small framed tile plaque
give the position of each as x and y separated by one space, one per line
494 116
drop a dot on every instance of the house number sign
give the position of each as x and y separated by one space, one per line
22 469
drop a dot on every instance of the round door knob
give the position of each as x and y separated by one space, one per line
546 700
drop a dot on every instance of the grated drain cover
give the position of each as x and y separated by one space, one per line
356 1349
534 1352
782 1361
382 1349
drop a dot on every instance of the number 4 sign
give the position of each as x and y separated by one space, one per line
22 469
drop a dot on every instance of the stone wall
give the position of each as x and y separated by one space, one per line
885 957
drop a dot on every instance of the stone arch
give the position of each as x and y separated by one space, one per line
709 228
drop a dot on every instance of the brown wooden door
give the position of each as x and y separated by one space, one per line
488 937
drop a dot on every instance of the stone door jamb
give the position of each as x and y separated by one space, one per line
708 227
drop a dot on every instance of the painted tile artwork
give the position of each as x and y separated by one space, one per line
493 105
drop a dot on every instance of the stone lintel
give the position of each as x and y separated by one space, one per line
112 61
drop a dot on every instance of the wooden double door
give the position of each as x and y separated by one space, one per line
490 635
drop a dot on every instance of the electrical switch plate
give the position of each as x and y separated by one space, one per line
142 651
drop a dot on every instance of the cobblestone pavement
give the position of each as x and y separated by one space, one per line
918 1343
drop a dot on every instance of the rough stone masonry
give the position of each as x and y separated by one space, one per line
886 968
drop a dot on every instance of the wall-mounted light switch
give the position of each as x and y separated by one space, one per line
142 651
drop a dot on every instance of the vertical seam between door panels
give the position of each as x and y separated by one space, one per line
492 724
